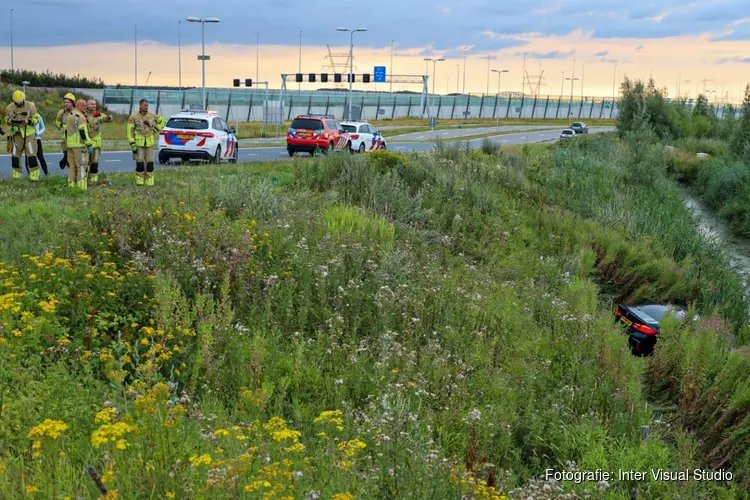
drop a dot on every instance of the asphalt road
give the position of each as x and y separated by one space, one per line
454 133
122 161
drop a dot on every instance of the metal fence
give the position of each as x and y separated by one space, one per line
257 105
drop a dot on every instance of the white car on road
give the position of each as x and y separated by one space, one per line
364 136
198 136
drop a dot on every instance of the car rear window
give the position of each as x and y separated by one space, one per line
187 123
349 128
655 311
308 124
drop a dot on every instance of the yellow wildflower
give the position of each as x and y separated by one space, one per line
197 461
169 494
112 495
286 434
48 428
110 433
105 416
342 496
351 447
31 489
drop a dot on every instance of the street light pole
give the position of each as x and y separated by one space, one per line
257 56
203 22
614 80
351 61
458 67
12 68
434 77
179 52
464 84
391 87
135 46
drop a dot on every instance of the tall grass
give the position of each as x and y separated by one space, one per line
420 327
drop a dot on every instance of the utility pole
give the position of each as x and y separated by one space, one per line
523 75
434 77
488 75
614 82
257 56
299 85
562 84
583 69
458 67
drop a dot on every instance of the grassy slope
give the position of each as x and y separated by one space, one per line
447 307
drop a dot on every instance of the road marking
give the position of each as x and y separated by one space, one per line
420 137
110 161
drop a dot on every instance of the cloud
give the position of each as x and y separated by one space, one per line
555 54
736 59
603 53
640 47
444 26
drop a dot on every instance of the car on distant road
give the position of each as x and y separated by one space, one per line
642 322
567 134
317 133
579 128
364 136
198 135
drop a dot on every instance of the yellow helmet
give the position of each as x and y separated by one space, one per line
18 97
69 96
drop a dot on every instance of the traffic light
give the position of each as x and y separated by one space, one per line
311 77
350 78
366 78
337 77
298 78
248 82
324 77
236 82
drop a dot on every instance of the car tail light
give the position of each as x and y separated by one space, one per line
205 134
644 329
619 312
355 136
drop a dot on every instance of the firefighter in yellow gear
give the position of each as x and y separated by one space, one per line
141 129
22 118
94 120
78 144
61 121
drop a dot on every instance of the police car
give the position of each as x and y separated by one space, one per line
197 135
364 136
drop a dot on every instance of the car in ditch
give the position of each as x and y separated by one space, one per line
641 323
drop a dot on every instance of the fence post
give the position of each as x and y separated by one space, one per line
557 111
468 103
494 110
132 98
309 105
158 100
546 105
440 105
250 108
612 109
291 105
533 107
507 108
520 109
408 110
182 105
393 110
328 105
453 109
481 106
229 105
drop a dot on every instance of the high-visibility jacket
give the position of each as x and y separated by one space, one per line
94 120
143 126
16 114
76 130
62 119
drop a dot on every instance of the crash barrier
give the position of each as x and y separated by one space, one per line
256 105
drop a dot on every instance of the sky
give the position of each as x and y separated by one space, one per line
694 44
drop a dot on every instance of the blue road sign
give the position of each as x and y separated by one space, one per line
379 74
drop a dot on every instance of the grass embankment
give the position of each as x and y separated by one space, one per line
380 326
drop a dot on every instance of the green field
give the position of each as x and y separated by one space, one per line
436 325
